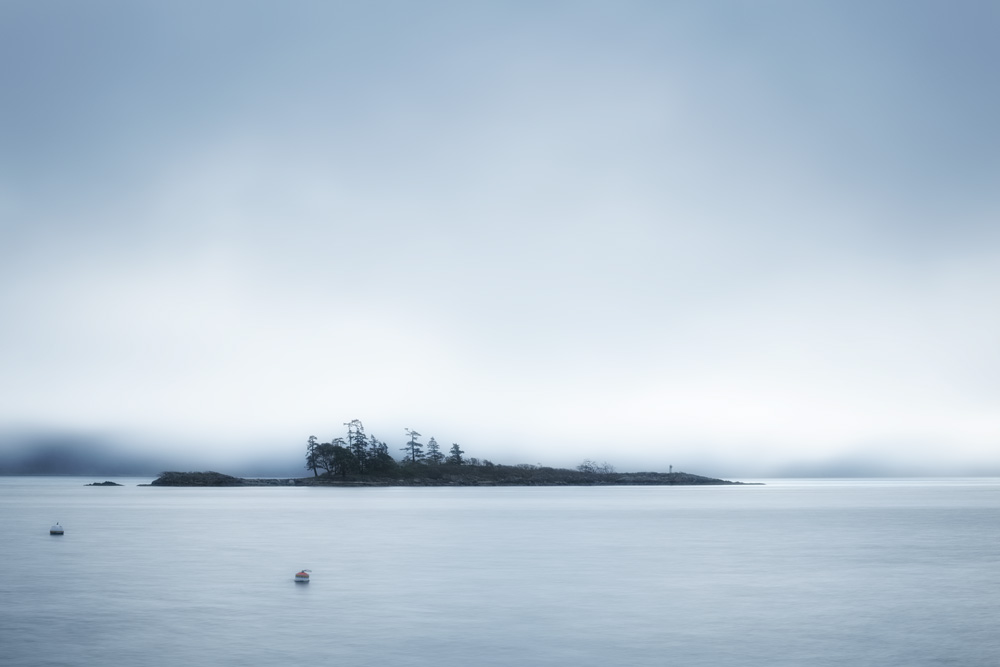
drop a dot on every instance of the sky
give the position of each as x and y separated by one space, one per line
732 237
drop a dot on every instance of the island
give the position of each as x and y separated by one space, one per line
495 475
361 459
109 483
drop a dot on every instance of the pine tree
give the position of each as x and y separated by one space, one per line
456 455
312 456
357 443
414 449
434 454
378 458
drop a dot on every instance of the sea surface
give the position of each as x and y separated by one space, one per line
795 572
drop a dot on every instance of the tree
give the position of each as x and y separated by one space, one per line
434 452
357 443
455 457
343 461
326 455
595 468
414 449
312 456
378 458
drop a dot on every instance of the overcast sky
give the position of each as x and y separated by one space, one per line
690 233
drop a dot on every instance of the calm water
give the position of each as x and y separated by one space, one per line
792 573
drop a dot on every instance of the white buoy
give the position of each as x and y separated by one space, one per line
302 576
56 529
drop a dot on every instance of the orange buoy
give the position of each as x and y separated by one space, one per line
302 576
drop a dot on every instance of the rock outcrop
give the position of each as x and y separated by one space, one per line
207 478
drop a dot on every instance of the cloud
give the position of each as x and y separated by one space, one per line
736 232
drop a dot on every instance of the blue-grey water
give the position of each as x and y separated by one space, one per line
873 572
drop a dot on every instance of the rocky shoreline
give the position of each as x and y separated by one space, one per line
515 477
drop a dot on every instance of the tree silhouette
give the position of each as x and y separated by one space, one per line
327 455
434 454
378 458
357 443
414 450
312 456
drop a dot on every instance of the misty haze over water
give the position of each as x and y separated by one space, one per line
737 238
62 454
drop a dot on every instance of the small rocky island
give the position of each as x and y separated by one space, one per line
103 484
364 460
212 478
496 475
